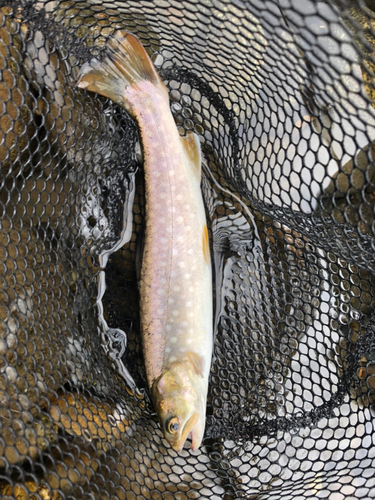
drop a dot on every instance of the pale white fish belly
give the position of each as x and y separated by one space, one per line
176 281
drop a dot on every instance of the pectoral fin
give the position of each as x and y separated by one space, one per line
192 148
197 362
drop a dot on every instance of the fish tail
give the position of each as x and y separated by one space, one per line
125 65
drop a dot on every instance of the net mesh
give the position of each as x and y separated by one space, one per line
282 97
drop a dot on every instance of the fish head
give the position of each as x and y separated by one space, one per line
179 397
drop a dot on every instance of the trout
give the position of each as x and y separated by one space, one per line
176 281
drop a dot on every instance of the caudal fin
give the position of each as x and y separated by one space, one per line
125 65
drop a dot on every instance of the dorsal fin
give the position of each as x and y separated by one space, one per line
192 148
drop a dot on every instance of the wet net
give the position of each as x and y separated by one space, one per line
282 96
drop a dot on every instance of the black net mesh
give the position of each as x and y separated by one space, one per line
282 96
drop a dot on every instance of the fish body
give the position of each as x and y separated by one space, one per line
176 281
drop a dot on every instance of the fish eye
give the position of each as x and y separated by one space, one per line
172 425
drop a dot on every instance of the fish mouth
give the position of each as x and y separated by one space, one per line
187 429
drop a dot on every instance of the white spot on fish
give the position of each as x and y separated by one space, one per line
168 327
167 349
176 288
181 265
189 341
179 197
172 358
191 289
187 276
173 340
175 312
189 304
180 219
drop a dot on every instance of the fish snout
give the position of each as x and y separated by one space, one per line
179 443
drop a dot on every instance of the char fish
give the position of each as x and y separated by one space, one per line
176 281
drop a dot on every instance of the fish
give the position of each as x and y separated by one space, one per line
176 311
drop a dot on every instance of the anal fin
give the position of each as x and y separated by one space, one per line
192 149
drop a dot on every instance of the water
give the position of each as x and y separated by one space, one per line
114 339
